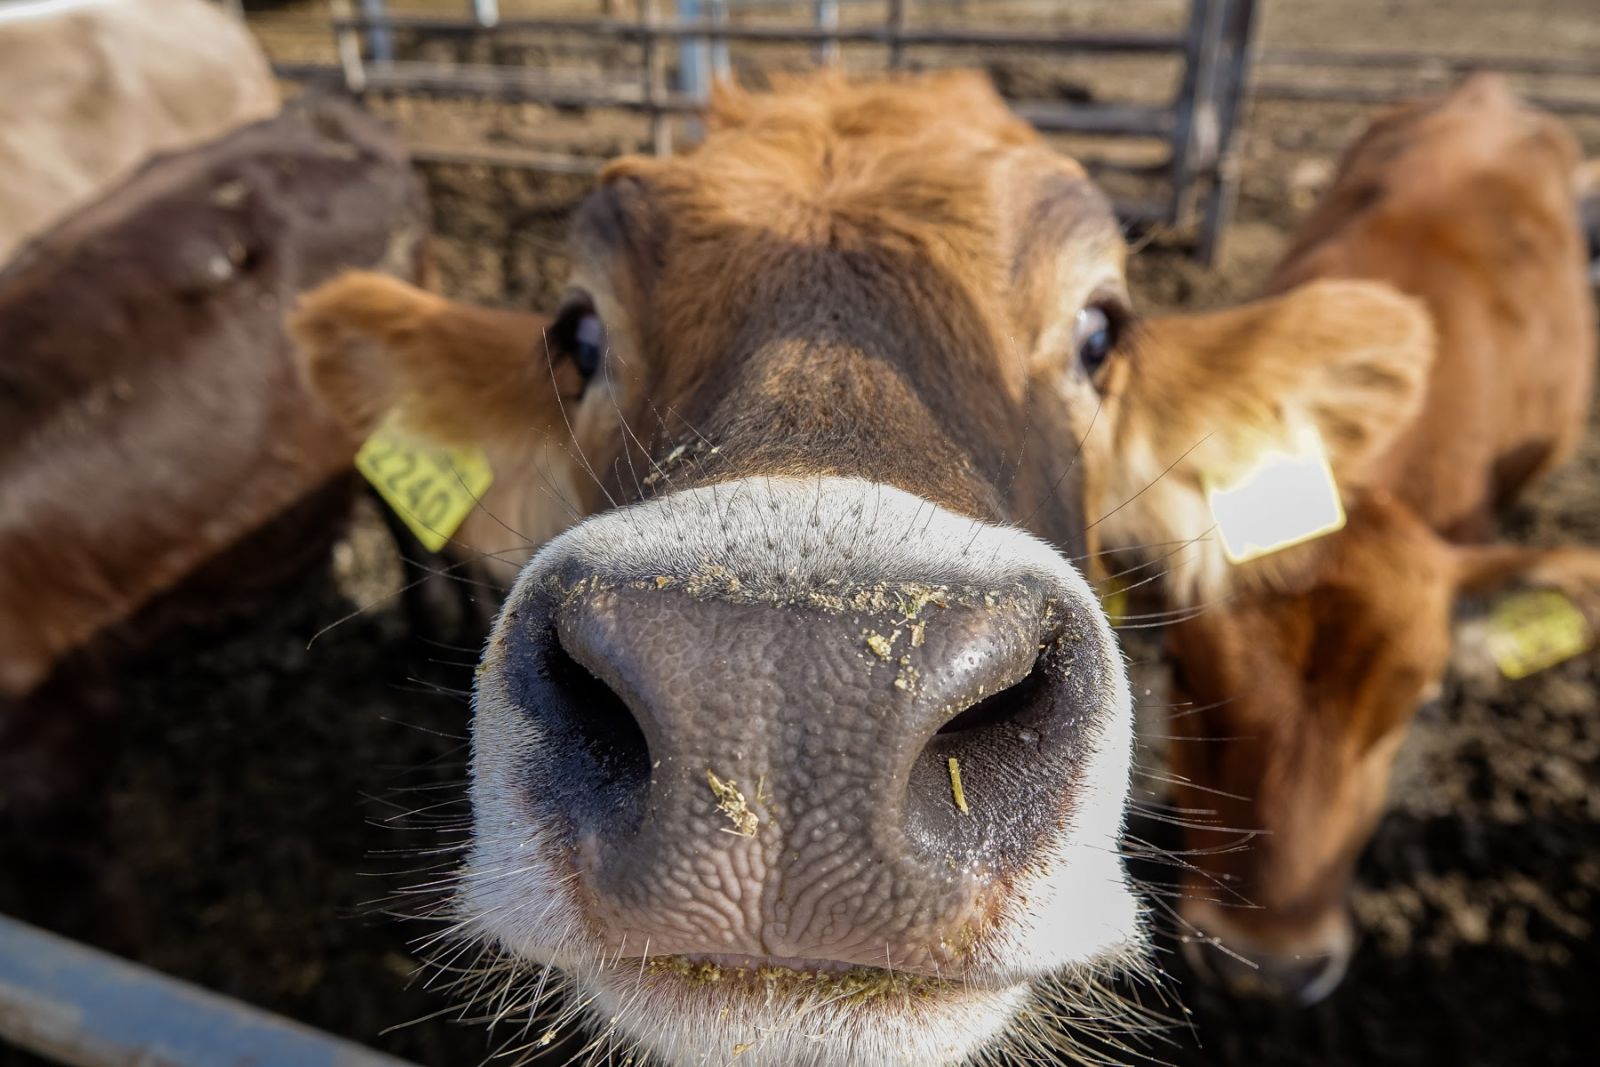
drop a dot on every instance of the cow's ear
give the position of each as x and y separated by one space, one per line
462 375
1202 397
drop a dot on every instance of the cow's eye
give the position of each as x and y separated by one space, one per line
579 335
1094 336
588 343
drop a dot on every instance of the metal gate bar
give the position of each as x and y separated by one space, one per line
82 1007
1196 126
1272 89
1417 73
1510 64
1234 41
1076 40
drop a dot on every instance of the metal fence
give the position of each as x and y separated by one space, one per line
681 47
1379 76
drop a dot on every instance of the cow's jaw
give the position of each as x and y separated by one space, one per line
752 982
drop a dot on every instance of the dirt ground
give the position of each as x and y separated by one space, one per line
279 783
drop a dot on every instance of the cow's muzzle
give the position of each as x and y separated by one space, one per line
808 729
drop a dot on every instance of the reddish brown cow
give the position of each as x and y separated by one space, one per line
1299 686
800 745
151 414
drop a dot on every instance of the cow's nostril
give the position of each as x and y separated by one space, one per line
597 753
1002 710
599 720
988 786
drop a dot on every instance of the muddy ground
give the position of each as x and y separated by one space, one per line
276 782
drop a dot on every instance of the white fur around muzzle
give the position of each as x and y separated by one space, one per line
1075 911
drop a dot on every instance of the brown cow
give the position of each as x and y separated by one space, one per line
1298 688
151 413
802 746
90 89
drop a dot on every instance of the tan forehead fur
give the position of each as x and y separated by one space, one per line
821 149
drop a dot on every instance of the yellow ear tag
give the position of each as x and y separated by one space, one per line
1531 631
430 487
1285 499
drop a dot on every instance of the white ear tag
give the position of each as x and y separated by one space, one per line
1285 498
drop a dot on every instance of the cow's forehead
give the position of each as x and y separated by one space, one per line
937 163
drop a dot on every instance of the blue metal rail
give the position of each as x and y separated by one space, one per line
82 1007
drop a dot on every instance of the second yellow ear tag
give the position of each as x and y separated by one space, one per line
430 487
1288 496
1531 631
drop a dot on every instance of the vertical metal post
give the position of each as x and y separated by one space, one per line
828 19
694 65
380 42
719 48
694 56
349 48
487 12
655 79
1238 32
897 28
1195 115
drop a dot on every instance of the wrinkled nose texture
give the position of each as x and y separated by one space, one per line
844 775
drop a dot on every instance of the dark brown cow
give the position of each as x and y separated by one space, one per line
90 89
151 414
802 746
1297 689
